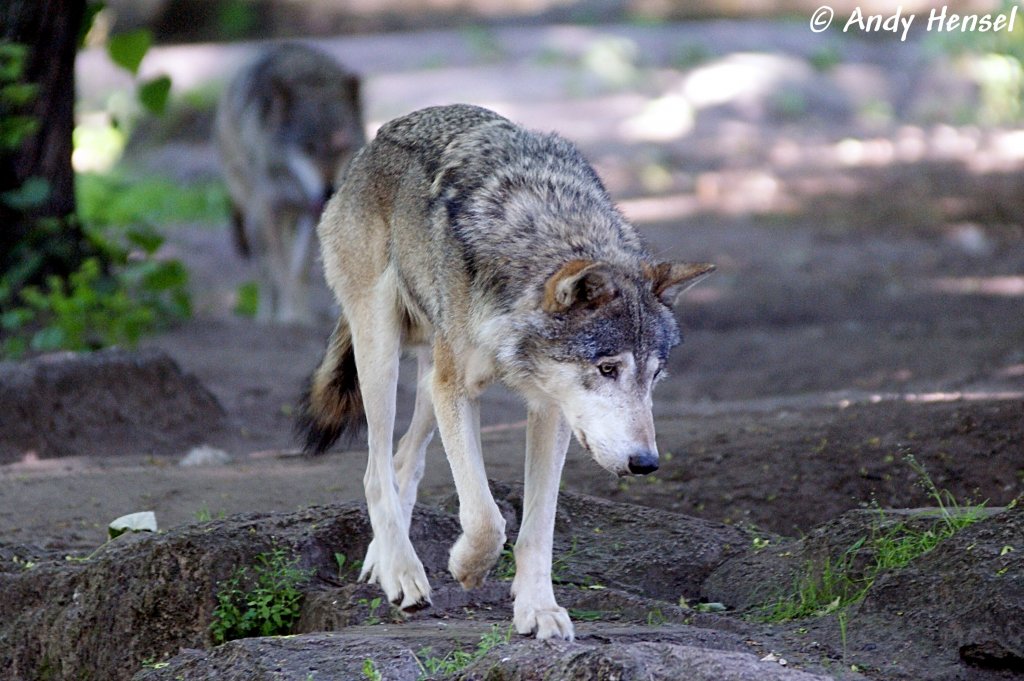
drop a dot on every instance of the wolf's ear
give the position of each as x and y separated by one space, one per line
579 282
669 279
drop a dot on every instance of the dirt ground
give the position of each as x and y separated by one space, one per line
844 330
866 309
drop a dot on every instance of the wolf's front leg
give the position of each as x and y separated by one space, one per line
547 439
458 420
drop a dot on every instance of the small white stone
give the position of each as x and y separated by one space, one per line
205 455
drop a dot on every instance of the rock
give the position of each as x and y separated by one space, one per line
956 612
961 606
310 656
105 403
650 661
143 521
649 552
155 594
345 656
751 579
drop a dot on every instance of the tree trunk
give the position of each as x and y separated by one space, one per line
46 238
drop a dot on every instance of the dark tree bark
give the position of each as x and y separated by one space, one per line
50 31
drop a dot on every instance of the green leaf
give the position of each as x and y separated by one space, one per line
247 299
15 129
181 304
146 239
18 94
12 60
14 347
127 49
165 275
50 338
33 193
154 94
16 318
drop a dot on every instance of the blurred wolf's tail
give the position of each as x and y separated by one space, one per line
332 405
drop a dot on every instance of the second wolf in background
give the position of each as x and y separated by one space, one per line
286 126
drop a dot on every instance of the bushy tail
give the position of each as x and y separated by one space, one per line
332 405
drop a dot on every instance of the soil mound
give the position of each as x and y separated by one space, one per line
102 404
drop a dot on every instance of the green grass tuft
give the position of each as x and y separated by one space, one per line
458 659
841 581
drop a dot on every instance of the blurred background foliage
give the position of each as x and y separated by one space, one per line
118 288
124 209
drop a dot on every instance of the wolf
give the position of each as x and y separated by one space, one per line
285 126
493 254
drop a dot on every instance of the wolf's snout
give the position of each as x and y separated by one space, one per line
643 462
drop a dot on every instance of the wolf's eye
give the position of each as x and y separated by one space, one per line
608 369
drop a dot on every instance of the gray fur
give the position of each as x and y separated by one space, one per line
509 207
502 250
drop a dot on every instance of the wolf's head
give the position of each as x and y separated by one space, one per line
601 348
314 111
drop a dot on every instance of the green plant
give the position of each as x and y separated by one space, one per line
15 125
585 615
261 600
505 570
111 288
370 671
94 308
120 199
994 60
205 515
560 565
373 605
840 581
656 618
346 565
247 299
152 663
236 19
458 659
127 50
44 242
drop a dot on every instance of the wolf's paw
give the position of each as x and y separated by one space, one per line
470 560
545 622
399 572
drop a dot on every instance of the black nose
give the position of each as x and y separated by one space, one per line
643 462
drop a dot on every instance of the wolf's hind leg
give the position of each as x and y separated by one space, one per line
458 420
391 559
535 610
412 448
